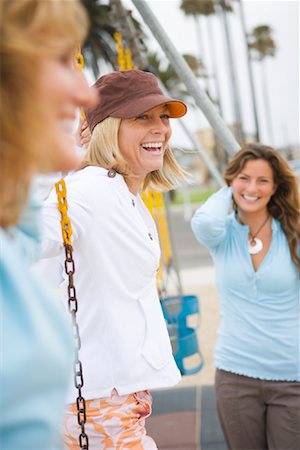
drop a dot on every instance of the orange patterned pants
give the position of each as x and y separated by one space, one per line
113 423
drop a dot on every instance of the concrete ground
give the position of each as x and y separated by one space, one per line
197 275
200 281
184 417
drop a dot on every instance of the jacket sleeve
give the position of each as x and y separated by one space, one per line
80 215
209 221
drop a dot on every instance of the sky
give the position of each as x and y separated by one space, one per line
281 72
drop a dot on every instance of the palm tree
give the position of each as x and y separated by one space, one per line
105 20
132 33
250 72
262 45
224 7
99 43
206 8
196 8
169 77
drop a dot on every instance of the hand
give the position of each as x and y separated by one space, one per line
83 135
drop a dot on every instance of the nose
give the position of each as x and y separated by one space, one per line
252 186
84 96
160 126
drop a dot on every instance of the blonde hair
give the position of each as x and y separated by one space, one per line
284 204
30 31
104 151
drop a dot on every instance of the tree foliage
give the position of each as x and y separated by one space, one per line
166 73
198 7
262 43
99 43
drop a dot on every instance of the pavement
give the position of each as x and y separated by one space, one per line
197 277
184 417
200 281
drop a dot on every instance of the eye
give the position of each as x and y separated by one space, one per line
142 117
67 58
165 116
242 177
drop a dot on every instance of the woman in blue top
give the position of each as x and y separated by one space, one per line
256 254
40 91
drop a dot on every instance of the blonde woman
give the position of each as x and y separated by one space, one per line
40 90
125 348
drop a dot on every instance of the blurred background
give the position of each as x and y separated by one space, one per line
244 54
243 85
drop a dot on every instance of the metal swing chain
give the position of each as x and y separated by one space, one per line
66 228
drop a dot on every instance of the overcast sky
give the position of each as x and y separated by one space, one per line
282 72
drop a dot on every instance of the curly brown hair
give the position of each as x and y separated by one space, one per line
284 204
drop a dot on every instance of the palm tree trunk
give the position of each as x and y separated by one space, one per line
203 57
250 71
201 52
211 42
232 73
265 92
186 75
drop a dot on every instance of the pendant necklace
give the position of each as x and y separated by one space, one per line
255 245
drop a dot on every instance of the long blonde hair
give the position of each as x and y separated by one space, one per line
30 30
104 151
284 204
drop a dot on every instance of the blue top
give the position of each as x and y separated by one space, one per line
259 335
35 345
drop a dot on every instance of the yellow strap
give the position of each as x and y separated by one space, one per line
162 225
148 200
65 222
80 64
128 59
154 201
79 60
124 55
120 51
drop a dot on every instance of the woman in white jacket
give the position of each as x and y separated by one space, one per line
125 348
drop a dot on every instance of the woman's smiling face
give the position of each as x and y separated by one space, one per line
143 140
254 186
61 89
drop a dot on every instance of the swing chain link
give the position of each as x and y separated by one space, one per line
73 308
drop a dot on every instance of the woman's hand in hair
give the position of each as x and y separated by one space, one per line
83 135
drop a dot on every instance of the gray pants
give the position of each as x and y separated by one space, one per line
257 414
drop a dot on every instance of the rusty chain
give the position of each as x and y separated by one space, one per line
66 227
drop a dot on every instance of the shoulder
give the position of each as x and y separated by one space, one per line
86 185
87 179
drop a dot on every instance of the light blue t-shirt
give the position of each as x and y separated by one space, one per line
259 334
35 346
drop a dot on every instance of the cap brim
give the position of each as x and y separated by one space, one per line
176 108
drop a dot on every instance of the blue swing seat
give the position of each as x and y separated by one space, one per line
176 310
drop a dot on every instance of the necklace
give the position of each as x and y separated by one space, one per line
255 245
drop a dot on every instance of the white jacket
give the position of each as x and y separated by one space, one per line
125 344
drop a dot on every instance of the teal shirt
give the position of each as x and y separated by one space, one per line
259 334
35 345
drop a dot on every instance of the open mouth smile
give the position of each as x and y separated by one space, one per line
153 147
249 198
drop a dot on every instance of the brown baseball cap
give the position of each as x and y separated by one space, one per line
128 94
